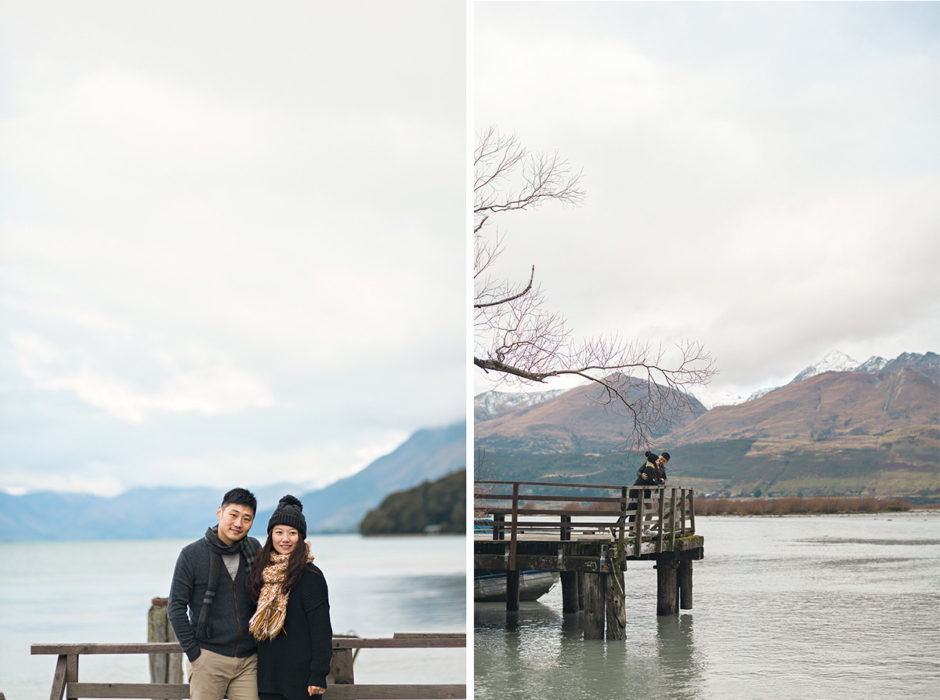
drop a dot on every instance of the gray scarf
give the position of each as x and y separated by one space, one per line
243 547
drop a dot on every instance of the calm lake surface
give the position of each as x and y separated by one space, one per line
792 607
101 591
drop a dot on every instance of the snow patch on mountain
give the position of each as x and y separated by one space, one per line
493 404
834 361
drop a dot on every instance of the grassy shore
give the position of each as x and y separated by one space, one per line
797 506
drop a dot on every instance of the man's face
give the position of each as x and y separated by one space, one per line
660 461
234 522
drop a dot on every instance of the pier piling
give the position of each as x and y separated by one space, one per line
588 536
569 592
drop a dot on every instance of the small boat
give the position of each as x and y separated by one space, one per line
490 586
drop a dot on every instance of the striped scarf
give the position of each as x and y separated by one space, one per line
268 620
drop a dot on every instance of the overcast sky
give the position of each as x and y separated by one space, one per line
760 177
233 238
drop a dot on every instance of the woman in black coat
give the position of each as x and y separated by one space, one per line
292 621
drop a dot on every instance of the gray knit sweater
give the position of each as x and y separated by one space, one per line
227 632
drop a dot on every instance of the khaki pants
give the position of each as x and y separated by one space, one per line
214 676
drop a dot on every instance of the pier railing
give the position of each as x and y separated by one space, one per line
642 520
65 681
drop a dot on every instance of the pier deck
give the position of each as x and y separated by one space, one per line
589 532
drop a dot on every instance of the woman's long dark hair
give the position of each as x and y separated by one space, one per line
295 567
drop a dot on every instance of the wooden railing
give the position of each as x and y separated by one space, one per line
65 682
641 519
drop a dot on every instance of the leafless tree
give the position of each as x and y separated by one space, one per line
518 339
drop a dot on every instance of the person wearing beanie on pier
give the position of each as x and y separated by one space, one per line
292 620
210 604
652 473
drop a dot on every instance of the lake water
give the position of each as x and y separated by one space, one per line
54 592
792 607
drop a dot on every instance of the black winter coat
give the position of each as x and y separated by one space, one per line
300 655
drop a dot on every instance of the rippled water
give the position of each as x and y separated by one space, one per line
793 607
54 592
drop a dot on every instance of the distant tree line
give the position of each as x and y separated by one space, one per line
796 506
431 506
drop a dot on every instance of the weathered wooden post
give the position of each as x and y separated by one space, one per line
569 592
594 594
164 668
667 587
685 583
580 590
512 590
616 605
341 667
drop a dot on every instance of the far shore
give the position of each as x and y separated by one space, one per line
795 505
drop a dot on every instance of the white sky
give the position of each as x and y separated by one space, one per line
232 240
760 177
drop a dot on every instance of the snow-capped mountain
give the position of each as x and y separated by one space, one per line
834 361
493 404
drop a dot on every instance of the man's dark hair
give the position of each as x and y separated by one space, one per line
242 497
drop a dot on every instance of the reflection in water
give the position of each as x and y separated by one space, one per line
540 653
784 608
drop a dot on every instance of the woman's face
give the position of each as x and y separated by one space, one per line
284 539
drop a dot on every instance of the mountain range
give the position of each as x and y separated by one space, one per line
170 512
838 428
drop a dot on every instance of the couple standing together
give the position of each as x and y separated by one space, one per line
253 620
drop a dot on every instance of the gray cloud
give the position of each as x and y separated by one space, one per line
758 177
232 238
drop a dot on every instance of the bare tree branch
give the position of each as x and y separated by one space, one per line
517 339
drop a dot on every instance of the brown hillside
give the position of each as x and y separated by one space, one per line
824 407
579 420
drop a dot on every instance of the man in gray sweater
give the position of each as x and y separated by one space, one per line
210 604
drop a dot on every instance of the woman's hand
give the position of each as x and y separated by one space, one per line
315 690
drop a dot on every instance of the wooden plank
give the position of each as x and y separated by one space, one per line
71 674
692 509
638 534
662 506
557 484
444 641
129 690
394 692
430 635
682 511
622 522
117 648
672 509
543 497
58 678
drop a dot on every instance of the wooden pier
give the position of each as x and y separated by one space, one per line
342 686
589 532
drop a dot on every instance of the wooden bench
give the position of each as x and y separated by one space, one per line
65 682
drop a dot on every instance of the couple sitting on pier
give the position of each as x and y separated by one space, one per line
233 602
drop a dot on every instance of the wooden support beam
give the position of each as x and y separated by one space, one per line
71 676
58 678
616 605
580 590
667 587
569 592
594 595
685 583
512 590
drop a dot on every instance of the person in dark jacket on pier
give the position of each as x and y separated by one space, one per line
292 621
652 473
210 604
